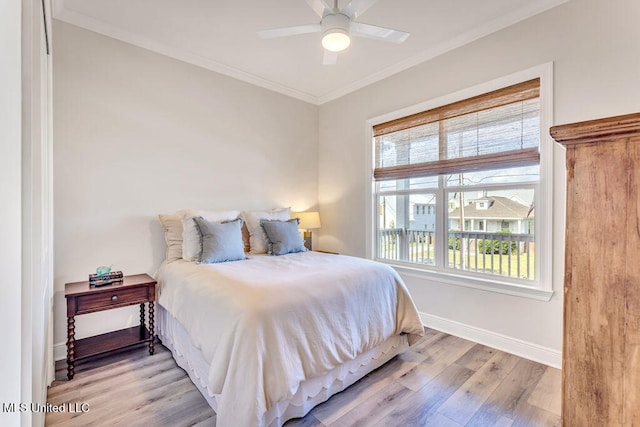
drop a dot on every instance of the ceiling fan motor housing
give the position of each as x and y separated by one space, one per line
336 21
336 32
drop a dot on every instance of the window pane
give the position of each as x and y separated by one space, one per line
386 185
481 158
499 176
407 226
421 183
401 184
492 232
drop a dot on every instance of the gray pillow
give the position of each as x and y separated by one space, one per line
220 241
283 236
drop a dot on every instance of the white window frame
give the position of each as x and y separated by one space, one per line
542 286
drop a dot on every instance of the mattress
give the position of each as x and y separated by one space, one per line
311 392
264 326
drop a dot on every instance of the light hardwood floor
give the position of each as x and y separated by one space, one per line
441 381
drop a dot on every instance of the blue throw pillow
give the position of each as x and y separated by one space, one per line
283 236
220 241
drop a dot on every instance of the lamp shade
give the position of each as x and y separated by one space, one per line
308 220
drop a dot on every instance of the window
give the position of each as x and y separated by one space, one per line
477 163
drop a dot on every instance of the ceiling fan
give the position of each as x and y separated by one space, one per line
337 26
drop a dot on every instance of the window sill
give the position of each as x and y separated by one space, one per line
472 282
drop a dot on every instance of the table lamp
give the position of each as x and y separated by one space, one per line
308 221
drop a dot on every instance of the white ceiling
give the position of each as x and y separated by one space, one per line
221 36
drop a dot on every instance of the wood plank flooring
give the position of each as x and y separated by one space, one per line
441 381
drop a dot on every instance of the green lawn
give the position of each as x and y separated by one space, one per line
509 263
420 254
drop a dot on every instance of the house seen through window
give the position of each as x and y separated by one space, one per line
456 186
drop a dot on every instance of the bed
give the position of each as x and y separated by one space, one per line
268 338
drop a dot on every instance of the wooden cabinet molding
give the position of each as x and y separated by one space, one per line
601 337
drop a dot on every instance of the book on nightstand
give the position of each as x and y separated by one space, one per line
105 279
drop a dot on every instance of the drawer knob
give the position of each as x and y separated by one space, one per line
114 298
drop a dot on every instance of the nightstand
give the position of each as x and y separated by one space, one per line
83 299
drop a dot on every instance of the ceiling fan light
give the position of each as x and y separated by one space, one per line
336 40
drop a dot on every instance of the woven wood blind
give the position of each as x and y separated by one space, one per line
498 129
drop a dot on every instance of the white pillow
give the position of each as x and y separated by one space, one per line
191 244
257 238
172 226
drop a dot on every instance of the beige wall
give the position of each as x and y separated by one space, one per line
594 46
137 134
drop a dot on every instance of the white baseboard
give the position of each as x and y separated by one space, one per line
59 351
535 352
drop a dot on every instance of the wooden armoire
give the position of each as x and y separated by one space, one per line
601 347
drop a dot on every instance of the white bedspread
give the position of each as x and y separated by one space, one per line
267 323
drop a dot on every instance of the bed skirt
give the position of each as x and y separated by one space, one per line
310 393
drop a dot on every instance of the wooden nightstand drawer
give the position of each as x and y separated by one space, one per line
112 299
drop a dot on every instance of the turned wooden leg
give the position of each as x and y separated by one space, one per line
71 355
142 325
152 335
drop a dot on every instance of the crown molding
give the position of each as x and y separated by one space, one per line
532 9
599 130
69 16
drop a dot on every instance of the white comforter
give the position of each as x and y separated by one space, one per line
267 323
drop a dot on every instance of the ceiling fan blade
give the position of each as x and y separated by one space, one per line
378 33
357 7
330 58
289 31
319 6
